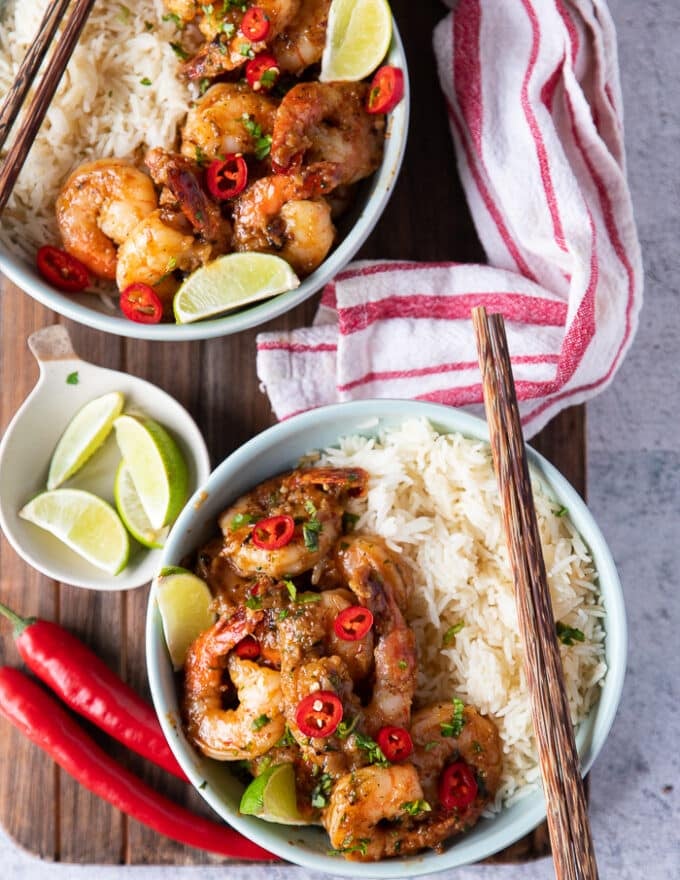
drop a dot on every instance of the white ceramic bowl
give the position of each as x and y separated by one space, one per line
33 433
276 450
353 229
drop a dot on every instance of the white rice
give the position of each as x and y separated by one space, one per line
102 107
434 499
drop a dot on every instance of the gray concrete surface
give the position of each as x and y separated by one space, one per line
634 463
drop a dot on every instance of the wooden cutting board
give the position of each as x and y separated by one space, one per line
41 808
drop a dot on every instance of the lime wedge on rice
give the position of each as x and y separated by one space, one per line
131 511
84 434
85 523
232 281
271 796
156 465
357 39
184 604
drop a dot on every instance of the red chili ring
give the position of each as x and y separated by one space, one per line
139 302
262 72
227 177
395 743
248 648
353 623
457 786
255 24
273 532
61 269
387 89
319 714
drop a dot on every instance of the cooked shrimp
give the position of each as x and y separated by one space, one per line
304 670
365 810
226 47
302 42
276 215
185 193
156 248
358 655
313 498
478 744
215 125
325 126
375 577
98 207
257 723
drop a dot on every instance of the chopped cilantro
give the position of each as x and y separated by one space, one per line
455 726
402 664
308 598
322 790
287 739
344 729
203 85
415 808
145 81
568 634
124 15
73 378
246 50
201 158
203 784
254 602
283 614
432 744
451 633
179 51
310 508
175 19
373 751
228 28
260 722
148 25
477 747
310 532
240 520
262 142
561 511
292 590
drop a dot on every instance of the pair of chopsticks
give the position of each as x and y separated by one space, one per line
15 97
567 814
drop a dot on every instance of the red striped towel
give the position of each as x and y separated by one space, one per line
534 106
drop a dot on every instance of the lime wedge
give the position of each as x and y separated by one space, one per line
84 434
132 512
157 468
184 604
357 39
271 796
229 282
84 523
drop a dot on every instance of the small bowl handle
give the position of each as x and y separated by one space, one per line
52 343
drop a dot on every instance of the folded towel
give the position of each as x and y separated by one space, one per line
534 103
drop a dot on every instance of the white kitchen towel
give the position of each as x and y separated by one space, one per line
534 103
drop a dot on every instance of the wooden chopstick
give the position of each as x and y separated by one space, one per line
18 151
567 813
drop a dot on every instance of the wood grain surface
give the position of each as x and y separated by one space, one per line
40 807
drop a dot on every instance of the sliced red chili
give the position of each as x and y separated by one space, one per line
61 269
353 623
262 72
139 302
319 713
457 786
395 743
274 532
248 648
387 89
255 24
227 177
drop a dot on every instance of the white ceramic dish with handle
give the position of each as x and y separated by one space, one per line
353 230
32 435
277 450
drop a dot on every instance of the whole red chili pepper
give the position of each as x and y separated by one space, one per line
89 687
41 718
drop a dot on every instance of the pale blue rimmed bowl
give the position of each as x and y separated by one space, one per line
276 450
353 231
